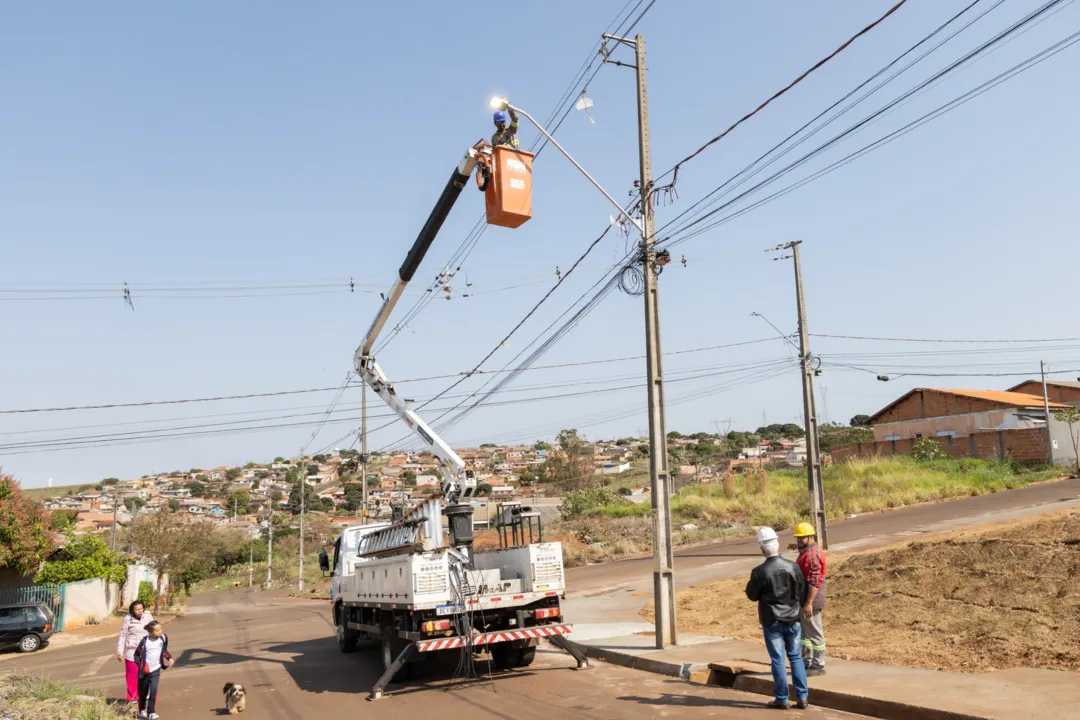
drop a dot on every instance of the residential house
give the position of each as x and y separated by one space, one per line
613 468
427 481
935 412
796 453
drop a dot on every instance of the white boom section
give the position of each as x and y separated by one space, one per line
455 484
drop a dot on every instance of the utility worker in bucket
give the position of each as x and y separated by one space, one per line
812 563
505 135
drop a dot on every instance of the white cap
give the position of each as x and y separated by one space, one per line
766 534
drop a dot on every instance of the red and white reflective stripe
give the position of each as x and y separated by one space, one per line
492 637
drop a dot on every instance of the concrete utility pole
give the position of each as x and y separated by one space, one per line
363 454
269 550
1046 408
303 494
251 562
659 475
116 501
813 455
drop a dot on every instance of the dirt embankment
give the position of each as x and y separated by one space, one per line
996 597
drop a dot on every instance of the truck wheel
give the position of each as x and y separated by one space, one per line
346 638
526 657
507 657
392 646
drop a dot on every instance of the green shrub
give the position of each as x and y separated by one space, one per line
83 558
146 593
586 502
927 450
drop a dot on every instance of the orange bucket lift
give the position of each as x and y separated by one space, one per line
507 186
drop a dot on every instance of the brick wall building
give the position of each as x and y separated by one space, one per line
935 412
1056 390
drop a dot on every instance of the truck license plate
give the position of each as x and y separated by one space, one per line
448 609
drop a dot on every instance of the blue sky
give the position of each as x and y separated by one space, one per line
243 145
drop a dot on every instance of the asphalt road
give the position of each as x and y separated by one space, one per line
283 650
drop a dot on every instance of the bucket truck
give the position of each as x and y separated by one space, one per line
418 590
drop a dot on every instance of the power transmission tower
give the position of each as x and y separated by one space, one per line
813 454
659 475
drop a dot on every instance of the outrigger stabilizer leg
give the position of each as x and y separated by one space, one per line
571 647
380 685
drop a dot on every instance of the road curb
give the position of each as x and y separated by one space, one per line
682 671
740 678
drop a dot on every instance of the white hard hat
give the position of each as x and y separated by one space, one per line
766 534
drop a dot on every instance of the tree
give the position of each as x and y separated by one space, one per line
674 435
526 478
232 473
834 435
24 533
321 459
240 500
705 452
278 460
860 420
134 503
312 469
571 465
541 445
275 496
110 481
311 500
643 450
483 489
197 489
83 558
1071 417
62 519
488 445
169 544
408 476
202 478
174 504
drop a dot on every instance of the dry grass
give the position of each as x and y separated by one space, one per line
991 598
26 696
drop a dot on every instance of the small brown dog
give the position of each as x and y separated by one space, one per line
235 698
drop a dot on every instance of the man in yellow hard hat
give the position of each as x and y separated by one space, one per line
812 563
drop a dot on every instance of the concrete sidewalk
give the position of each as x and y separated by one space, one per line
858 687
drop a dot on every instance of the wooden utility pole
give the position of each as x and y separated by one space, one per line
813 455
1046 409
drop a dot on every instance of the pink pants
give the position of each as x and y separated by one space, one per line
131 674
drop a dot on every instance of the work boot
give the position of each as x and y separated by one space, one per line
778 704
815 671
802 703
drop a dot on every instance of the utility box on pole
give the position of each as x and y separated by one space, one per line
508 197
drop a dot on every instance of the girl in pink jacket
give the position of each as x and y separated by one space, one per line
132 631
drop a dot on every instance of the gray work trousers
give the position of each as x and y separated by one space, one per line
813 640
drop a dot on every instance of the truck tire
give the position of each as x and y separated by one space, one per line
507 657
391 647
346 638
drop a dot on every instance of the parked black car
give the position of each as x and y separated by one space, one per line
26 626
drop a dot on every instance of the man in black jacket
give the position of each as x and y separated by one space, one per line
778 587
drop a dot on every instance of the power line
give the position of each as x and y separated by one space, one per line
793 83
934 340
1020 67
860 86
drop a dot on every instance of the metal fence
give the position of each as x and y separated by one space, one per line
49 595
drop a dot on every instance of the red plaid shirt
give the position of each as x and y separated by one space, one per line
812 563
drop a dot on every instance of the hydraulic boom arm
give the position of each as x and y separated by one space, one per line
451 465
